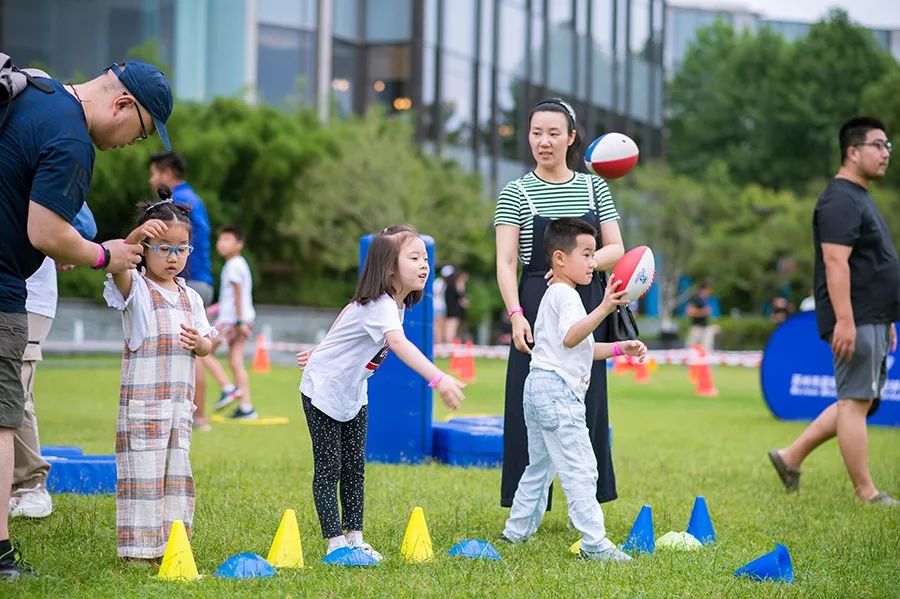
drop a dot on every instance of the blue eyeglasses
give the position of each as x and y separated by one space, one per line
169 250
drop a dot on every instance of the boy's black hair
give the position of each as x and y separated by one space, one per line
236 231
854 130
169 160
381 265
562 234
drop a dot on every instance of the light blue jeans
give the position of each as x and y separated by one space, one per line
558 443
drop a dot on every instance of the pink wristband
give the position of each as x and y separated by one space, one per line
516 310
101 258
617 351
437 379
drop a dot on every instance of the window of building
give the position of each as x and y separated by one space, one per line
388 21
388 71
345 21
512 24
459 27
456 84
343 75
296 13
286 65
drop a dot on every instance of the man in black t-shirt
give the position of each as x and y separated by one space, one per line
857 290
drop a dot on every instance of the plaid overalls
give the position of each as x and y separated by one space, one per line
153 433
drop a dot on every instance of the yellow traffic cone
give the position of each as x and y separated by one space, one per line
286 550
416 545
178 560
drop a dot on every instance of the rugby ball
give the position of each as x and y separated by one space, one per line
636 270
611 156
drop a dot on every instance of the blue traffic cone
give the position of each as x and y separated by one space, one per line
641 537
474 549
700 525
775 565
246 565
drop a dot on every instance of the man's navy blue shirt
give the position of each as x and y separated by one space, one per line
46 156
198 266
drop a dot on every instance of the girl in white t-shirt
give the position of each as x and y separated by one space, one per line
335 372
165 328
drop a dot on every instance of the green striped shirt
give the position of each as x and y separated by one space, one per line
551 200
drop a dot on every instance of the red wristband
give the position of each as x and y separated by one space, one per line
101 259
617 351
515 310
437 379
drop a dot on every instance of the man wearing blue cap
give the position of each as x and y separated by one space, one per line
46 161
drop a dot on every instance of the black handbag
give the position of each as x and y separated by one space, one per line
621 323
622 326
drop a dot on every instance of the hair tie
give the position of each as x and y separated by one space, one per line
160 203
565 105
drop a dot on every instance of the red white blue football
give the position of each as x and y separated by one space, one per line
611 156
636 269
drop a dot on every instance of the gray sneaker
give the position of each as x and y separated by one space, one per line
606 555
790 477
884 499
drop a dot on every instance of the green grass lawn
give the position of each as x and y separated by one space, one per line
668 447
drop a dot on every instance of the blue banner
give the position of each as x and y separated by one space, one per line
797 374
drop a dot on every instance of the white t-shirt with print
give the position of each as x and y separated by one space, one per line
561 308
137 308
236 270
351 352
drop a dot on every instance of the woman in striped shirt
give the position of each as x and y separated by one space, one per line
553 189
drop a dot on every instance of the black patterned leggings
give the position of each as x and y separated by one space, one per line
339 455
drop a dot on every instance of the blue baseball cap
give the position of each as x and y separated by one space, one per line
150 87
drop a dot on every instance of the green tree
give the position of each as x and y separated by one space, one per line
879 99
770 109
670 213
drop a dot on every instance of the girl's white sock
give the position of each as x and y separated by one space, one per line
354 538
336 543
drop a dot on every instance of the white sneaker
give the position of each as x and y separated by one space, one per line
370 551
606 555
33 503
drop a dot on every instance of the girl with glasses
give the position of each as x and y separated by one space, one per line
165 330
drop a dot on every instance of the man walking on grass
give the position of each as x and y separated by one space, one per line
857 288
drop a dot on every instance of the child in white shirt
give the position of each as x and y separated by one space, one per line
235 323
564 348
334 389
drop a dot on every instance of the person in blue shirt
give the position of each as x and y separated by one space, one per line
46 162
170 168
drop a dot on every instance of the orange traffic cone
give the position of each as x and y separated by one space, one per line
705 385
455 358
621 365
467 364
694 358
261 357
641 372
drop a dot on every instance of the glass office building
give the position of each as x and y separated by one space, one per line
467 71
